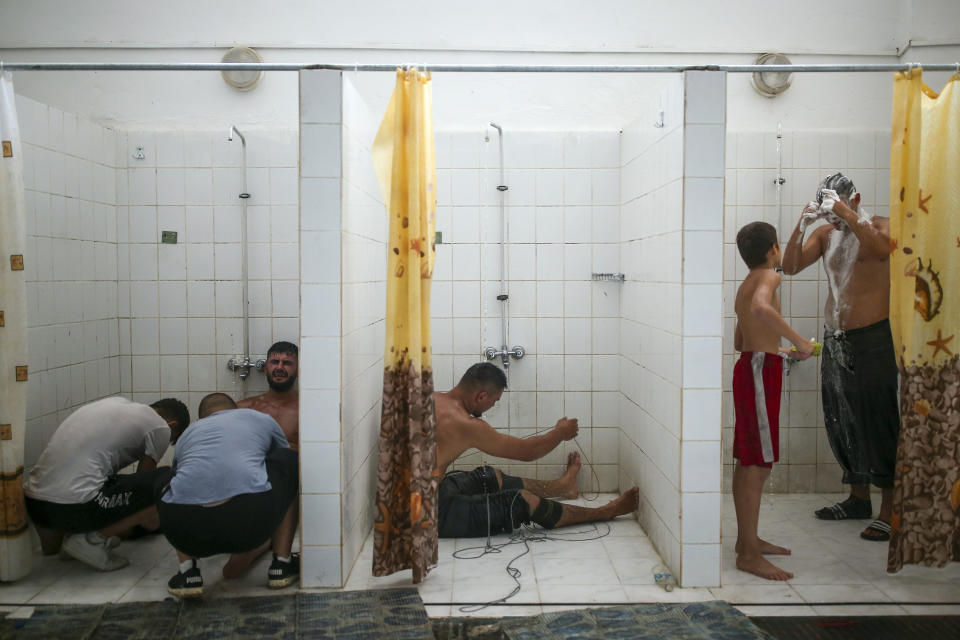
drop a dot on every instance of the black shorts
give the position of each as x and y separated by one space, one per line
859 385
243 522
472 504
120 496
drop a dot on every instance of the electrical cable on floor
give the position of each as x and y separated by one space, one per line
525 534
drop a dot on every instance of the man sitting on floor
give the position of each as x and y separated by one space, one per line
282 401
486 500
234 486
74 489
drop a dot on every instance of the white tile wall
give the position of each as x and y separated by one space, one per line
189 182
651 312
562 215
750 194
71 266
701 464
360 239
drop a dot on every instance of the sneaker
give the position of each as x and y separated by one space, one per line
187 584
283 574
94 550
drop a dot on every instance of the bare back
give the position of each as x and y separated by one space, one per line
859 287
457 430
284 409
757 335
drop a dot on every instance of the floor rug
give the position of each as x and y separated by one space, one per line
861 627
353 615
688 621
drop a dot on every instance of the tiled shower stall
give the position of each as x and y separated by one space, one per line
637 362
114 310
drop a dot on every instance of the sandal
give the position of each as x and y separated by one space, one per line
878 531
850 509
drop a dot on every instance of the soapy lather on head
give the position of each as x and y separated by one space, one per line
835 187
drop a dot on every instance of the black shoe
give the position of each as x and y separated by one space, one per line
850 509
283 574
187 585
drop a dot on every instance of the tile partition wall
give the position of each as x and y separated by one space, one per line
703 170
322 323
562 212
671 239
364 263
180 305
651 245
71 266
806 464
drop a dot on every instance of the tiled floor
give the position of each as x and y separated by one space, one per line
835 573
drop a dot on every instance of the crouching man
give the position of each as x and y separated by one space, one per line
76 498
235 483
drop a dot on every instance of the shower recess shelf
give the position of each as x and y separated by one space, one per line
609 277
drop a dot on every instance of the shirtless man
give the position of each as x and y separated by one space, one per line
282 401
487 501
858 366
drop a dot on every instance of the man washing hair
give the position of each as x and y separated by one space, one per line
858 364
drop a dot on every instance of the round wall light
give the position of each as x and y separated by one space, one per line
239 79
770 84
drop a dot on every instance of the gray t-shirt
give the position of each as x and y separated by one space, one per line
92 444
222 456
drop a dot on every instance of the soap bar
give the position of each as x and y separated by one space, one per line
816 348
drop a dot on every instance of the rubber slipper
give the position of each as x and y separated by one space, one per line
877 531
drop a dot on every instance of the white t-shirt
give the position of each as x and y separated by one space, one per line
95 442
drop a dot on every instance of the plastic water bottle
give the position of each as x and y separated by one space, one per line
663 578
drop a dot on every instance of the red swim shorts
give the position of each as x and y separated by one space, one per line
757 382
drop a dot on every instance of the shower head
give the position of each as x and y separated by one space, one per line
234 130
497 127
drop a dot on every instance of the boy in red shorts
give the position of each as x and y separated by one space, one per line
757 380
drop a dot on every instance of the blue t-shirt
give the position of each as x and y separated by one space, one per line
222 456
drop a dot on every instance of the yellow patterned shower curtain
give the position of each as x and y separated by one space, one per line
405 525
925 316
15 552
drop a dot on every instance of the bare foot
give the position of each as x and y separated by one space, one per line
627 503
568 481
760 566
767 548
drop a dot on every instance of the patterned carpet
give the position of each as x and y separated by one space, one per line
692 621
361 615
357 615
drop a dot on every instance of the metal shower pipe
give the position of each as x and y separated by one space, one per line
483 68
503 297
243 366
504 352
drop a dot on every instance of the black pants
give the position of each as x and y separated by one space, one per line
122 495
859 385
243 522
472 504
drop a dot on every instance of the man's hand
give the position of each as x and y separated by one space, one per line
809 215
804 349
567 428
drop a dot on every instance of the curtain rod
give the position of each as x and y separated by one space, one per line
492 68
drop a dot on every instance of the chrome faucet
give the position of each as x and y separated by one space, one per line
492 353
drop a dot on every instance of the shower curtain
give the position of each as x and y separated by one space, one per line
925 315
405 525
15 551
